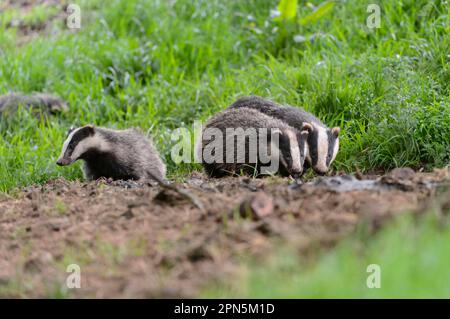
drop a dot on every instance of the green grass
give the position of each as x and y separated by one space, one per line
413 256
161 65
35 18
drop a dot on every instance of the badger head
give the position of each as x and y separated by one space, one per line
293 150
53 104
323 144
78 142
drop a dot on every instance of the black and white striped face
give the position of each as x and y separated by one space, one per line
323 144
78 141
293 149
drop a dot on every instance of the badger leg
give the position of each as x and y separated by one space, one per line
88 173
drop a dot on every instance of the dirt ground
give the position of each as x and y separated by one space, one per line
134 240
30 27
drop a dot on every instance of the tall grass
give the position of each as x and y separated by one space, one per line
160 65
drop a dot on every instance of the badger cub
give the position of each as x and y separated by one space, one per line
245 140
117 154
42 103
323 142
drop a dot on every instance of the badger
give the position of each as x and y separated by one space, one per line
41 103
246 137
323 142
117 154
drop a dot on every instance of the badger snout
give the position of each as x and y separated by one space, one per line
321 169
321 172
62 162
296 175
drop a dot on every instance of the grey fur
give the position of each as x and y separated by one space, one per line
117 154
246 118
43 103
296 117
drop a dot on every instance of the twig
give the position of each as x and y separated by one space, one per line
183 192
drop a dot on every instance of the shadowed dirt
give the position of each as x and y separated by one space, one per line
133 240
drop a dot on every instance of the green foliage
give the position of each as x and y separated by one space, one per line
322 10
160 65
414 266
287 9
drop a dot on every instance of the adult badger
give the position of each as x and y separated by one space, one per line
323 142
249 141
117 154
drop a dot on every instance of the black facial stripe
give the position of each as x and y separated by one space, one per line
285 150
331 144
80 135
301 143
313 147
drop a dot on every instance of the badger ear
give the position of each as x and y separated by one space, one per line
277 134
307 127
90 129
336 130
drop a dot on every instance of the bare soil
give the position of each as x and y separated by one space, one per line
134 240
34 28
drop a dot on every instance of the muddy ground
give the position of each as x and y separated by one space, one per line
134 240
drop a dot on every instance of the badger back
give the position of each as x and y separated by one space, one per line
41 103
323 143
253 126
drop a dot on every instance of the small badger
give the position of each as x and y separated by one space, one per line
253 133
41 103
117 154
323 142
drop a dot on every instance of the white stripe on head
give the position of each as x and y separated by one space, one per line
67 141
322 149
304 135
93 141
294 148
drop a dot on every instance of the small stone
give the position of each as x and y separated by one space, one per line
402 173
257 206
128 214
